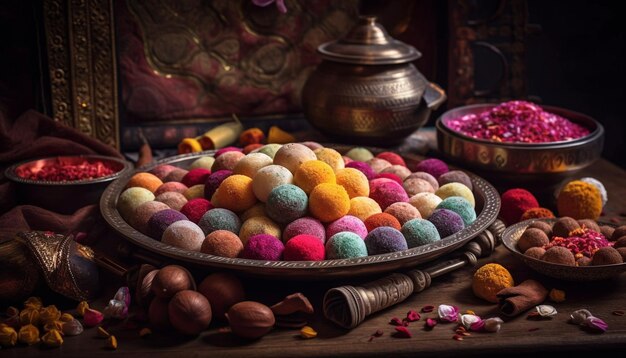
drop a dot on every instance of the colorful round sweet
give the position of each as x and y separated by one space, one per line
385 239
598 184
227 161
312 145
225 150
460 206
389 176
425 203
286 203
222 243
144 180
363 168
305 225
391 157
514 202
432 166
345 245
131 198
414 186
456 189
161 220
173 199
292 155
304 248
219 219
381 219
257 209
184 234
213 182
378 164
387 192
143 213
446 221
347 223
195 177
205 162
196 191
536 213
403 211
532 237
423 175
175 175
490 279
171 186
579 200
250 148
269 149
418 232
399 170
235 193
263 247
354 181
328 202
312 173
162 170
251 163
268 178
258 225
363 207
331 157
559 255
455 176
346 160
360 154
194 209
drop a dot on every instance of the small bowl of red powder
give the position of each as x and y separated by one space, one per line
519 143
64 184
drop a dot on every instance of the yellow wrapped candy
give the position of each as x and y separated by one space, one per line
49 314
28 334
8 336
33 302
66 317
52 338
82 306
29 316
58 325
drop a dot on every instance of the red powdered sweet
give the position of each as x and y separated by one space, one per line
195 177
195 208
381 219
304 248
226 150
514 202
392 158
391 176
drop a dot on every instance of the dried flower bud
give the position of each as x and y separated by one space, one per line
92 317
308 332
596 324
473 322
49 314
123 295
557 295
29 316
579 316
448 313
66 317
80 309
493 324
72 328
546 311
8 336
28 334
52 338
58 325
33 302
116 309
111 343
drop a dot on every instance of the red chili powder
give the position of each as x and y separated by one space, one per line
517 122
58 172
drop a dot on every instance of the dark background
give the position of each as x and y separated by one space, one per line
576 60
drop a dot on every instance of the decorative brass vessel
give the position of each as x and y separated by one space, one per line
366 90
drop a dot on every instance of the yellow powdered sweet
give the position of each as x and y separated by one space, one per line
489 280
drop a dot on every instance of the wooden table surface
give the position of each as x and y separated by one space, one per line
518 336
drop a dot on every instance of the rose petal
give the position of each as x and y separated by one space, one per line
596 324
412 316
430 323
402 332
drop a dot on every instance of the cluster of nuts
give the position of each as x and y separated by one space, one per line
574 242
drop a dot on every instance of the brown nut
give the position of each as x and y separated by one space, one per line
293 303
158 313
170 280
189 312
223 290
249 319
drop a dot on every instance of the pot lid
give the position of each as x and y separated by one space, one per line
368 43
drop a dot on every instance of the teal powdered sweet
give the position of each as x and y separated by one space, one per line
219 219
418 232
286 203
345 245
460 206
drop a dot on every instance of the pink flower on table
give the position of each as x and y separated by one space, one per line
448 313
280 4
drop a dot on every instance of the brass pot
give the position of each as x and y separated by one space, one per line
366 90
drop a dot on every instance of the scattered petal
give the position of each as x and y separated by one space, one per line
402 332
533 329
430 323
457 337
579 316
412 316
378 333
92 318
493 324
448 313
596 324
546 311
428 309
397 322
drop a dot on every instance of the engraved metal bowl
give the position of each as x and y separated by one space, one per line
67 196
487 206
534 166
563 272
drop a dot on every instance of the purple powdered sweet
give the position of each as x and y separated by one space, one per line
383 240
447 222
432 166
305 225
263 247
363 168
386 192
161 220
213 182
347 223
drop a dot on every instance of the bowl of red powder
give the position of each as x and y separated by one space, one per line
64 184
519 143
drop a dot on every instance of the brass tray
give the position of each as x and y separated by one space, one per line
487 204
